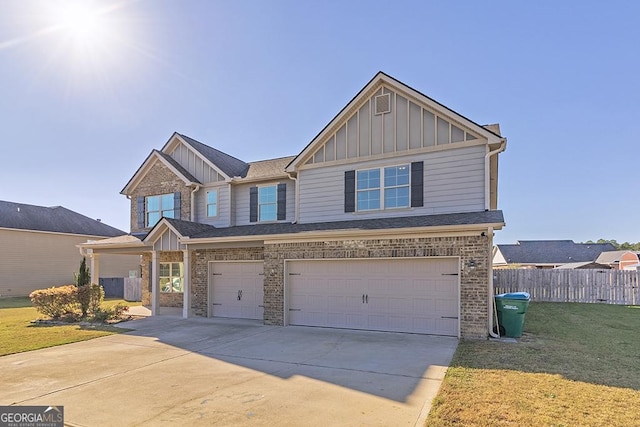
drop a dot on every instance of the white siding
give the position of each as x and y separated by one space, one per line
222 220
453 182
196 166
241 201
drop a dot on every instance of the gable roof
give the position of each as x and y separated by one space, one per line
165 159
552 251
379 79
228 164
610 257
56 219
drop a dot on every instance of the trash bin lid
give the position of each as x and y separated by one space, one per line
515 295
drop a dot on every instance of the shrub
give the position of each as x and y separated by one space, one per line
90 297
114 313
56 302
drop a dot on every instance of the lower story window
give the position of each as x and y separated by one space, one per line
171 277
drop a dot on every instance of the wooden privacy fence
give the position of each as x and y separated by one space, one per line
603 286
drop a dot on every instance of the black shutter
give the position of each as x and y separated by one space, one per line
141 212
176 205
417 184
350 191
282 202
253 204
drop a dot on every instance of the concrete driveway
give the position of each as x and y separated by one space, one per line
172 371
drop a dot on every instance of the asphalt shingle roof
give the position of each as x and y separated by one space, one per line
273 168
228 164
55 219
552 251
196 231
178 166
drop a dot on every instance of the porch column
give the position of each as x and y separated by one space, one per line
95 268
155 284
186 296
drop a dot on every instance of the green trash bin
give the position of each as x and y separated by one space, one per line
512 308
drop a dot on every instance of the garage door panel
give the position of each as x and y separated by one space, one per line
237 289
404 295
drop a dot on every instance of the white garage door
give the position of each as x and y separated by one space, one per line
400 295
236 289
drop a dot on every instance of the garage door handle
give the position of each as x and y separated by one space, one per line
294 274
216 274
216 303
295 309
449 317
261 306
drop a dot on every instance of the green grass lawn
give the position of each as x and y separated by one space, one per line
576 365
18 333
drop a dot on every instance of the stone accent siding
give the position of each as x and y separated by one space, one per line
473 282
160 180
200 275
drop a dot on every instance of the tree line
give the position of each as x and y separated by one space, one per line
626 246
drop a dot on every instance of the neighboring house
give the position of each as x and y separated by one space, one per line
384 221
546 253
619 260
39 247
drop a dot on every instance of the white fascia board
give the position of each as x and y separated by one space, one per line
159 230
148 164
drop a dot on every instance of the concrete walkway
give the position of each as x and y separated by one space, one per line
172 371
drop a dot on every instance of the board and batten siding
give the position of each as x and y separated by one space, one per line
241 200
453 183
37 260
195 165
222 219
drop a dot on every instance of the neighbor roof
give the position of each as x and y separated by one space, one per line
56 219
552 251
226 163
611 257
200 231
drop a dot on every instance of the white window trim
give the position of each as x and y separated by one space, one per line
207 204
382 188
276 202
171 291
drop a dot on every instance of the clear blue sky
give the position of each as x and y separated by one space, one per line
83 104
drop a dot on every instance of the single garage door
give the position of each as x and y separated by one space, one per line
236 289
399 295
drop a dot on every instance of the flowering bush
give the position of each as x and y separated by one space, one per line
56 302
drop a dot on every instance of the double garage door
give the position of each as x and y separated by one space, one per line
400 295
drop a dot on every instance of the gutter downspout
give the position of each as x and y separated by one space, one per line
296 208
492 302
193 202
487 173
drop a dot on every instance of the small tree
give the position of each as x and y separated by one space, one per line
83 279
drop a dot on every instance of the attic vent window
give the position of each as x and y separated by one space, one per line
383 103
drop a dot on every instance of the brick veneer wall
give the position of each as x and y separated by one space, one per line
160 180
167 299
473 282
200 276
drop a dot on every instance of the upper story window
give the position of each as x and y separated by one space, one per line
383 188
158 207
171 277
268 203
212 203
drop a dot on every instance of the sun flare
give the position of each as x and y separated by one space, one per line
86 26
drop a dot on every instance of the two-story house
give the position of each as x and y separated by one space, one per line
384 221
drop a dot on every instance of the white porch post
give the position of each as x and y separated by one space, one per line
186 296
95 268
155 284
